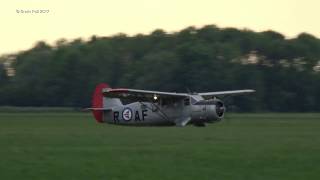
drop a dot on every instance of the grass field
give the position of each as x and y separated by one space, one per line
245 146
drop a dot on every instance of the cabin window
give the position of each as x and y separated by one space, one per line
166 102
186 102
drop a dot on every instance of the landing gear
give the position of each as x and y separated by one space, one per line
199 124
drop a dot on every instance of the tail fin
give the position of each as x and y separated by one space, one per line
100 103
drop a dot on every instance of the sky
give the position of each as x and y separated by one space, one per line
22 24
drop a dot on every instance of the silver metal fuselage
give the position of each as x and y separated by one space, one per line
162 113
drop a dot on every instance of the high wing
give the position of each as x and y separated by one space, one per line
145 95
225 93
141 95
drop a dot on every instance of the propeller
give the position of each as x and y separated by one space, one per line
220 108
228 103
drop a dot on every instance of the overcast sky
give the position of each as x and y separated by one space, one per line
21 27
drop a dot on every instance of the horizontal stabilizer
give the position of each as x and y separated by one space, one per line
100 109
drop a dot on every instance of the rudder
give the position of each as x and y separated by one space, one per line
99 101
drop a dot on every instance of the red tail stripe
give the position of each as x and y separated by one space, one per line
97 101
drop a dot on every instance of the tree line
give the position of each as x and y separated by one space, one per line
284 72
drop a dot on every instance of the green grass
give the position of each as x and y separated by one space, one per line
245 146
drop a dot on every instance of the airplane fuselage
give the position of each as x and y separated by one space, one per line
157 113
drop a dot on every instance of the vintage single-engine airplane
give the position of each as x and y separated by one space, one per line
142 107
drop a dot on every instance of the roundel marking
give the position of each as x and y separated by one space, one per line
127 114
